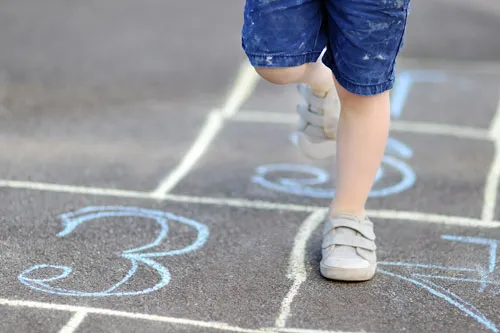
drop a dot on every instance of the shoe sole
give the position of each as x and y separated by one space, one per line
348 274
316 150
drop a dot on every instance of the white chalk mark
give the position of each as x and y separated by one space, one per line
297 268
142 316
300 330
211 128
396 125
495 124
432 218
244 86
49 187
246 203
457 131
74 322
491 187
241 203
123 314
231 202
493 178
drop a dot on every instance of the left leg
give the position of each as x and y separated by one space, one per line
362 135
366 36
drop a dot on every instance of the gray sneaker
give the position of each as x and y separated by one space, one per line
348 249
317 128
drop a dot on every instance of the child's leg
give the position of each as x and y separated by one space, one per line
283 40
348 245
361 139
319 109
365 38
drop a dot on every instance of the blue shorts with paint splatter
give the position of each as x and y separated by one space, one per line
362 37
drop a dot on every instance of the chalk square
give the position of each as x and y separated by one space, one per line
420 172
441 292
447 97
450 173
231 166
237 276
112 144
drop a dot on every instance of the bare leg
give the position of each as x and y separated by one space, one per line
319 109
361 139
348 248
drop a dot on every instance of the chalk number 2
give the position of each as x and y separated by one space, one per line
307 186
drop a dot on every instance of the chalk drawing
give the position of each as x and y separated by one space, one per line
136 256
308 186
405 81
479 275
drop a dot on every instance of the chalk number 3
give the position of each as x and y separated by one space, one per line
136 256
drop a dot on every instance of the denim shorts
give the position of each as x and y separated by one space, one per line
362 37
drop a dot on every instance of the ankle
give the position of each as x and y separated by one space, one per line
335 211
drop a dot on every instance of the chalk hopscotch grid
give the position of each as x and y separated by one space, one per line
244 86
489 198
80 313
247 204
425 128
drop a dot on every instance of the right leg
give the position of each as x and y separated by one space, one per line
283 40
365 39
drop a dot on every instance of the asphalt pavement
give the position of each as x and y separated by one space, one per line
149 181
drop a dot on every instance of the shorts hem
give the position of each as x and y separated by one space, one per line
362 89
281 60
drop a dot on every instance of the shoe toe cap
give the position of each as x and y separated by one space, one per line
348 263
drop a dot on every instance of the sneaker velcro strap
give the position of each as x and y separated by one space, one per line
314 100
366 229
316 103
349 240
315 132
309 116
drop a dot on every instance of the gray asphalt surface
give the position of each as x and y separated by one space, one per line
101 100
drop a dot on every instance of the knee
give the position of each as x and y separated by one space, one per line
281 76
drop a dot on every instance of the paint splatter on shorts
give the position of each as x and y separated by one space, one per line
362 37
